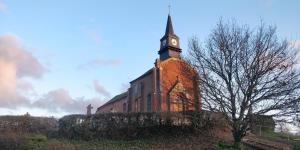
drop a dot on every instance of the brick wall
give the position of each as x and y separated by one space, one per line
172 70
144 87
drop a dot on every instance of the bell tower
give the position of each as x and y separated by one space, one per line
169 43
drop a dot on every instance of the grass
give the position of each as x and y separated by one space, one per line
223 146
283 137
64 144
12 141
280 136
110 144
16 141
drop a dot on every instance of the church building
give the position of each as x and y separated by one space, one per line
170 86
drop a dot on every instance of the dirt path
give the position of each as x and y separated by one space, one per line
264 144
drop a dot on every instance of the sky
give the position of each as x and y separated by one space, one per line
58 56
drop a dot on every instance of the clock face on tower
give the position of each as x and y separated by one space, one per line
174 42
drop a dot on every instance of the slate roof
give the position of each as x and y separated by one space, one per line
116 98
125 94
169 28
143 75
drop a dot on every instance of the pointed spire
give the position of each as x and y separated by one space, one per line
169 28
169 43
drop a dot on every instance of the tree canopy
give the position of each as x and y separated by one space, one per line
245 72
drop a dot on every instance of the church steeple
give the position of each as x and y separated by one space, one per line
169 43
169 28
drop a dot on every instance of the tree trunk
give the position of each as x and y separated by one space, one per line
237 138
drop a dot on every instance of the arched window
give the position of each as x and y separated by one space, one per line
179 103
149 103
176 104
124 107
136 106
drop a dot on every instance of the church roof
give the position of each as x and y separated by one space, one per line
143 75
116 98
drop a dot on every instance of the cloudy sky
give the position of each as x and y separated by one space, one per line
57 56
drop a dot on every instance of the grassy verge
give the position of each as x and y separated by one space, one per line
41 142
223 146
280 136
290 139
38 143
13 141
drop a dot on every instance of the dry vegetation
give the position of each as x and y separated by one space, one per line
198 136
158 136
16 141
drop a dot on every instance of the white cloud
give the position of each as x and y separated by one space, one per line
60 101
294 43
297 44
100 89
124 87
12 51
24 86
16 62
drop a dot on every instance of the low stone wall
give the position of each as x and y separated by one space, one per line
132 125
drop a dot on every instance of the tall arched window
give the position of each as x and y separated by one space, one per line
124 107
149 103
136 106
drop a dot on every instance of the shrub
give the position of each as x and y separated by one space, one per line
135 125
11 140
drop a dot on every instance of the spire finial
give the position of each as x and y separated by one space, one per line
169 8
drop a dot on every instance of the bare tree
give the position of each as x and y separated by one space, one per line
244 72
296 118
283 128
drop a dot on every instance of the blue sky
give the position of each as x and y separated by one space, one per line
90 50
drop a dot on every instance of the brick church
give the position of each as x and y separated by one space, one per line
170 86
